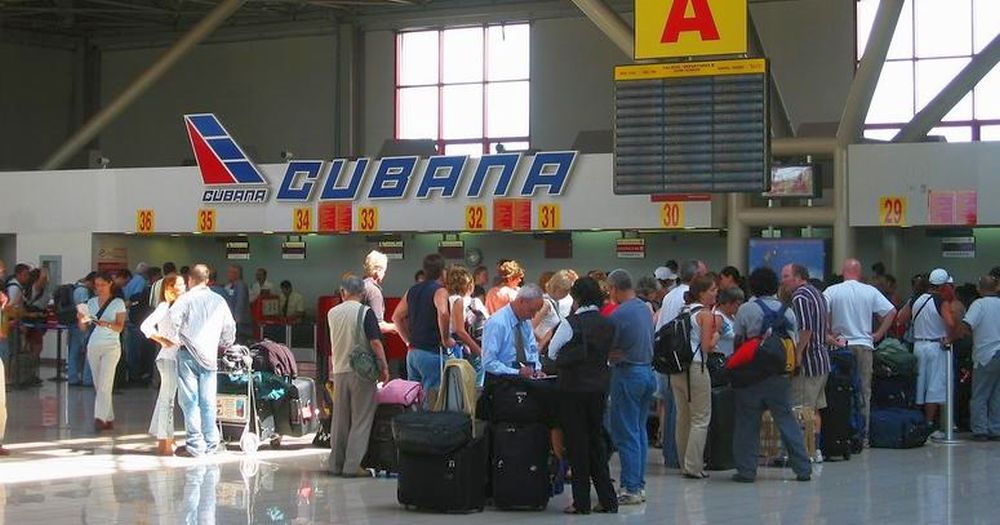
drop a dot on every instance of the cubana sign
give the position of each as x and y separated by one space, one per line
682 28
230 177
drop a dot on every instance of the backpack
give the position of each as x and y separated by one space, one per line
893 359
777 350
139 306
475 322
672 353
65 306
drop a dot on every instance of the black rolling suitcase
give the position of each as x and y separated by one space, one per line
719 445
838 432
303 407
381 455
441 466
520 466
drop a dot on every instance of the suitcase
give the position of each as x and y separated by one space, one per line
893 392
517 400
719 445
520 466
839 430
298 413
770 437
898 428
451 482
381 455
431 433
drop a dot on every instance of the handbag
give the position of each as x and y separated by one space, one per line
573 355
362 357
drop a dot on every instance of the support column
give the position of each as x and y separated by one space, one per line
843 235
738 234
609 22
892 249
148 78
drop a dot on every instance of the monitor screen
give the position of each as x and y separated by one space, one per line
776 253
799 181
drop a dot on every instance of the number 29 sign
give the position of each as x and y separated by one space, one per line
892 210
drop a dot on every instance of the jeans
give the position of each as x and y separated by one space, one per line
632 388
774 394
986 398
103 361
668 433
79 367
460 351
4 350
425 368
133 351
3 402
162 425
196 389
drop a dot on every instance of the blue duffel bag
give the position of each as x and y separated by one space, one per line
898 428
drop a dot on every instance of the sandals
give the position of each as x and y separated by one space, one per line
573 510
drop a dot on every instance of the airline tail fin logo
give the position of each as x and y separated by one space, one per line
222 162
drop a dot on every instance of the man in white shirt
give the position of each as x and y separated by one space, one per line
983 322
853 304
674 301
260 284
204 324
291 304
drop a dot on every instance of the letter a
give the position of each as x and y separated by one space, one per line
677 23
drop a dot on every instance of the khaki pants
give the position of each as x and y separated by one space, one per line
353 412
864 356
693 417
3 402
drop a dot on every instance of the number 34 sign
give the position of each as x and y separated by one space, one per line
892 211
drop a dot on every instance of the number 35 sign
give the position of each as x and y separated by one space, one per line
892 211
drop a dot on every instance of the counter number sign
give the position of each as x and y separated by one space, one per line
302 220
672 215
892 210
145 221
367 219
475 218
549 216
206 220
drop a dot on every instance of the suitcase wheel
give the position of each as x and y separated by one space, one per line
249 442
276 442
847 456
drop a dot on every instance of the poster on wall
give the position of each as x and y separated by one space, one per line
776 253
953 208
111 259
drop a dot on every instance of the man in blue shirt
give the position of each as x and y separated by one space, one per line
632 385
79 368
138 281
509 346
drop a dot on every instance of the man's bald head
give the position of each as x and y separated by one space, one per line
852 270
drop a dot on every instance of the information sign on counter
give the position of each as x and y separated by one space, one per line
512 215
630 248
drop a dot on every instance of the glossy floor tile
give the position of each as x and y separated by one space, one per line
61 472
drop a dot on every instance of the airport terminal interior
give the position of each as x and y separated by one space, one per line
287 159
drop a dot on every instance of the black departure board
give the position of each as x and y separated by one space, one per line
692 127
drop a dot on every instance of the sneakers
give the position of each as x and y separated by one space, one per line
938 434
642 494
803 477
818 457
628 498
739 478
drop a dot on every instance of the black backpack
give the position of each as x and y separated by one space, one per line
776 352
139 307
672 353
64 304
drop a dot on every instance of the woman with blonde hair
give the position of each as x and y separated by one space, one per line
160 328
463 314
554 308
511 274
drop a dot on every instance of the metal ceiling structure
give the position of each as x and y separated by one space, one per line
122 18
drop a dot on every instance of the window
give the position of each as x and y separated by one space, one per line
466 88
934 40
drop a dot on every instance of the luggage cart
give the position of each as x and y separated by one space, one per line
238 413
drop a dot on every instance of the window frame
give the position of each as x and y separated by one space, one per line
484 140
974 123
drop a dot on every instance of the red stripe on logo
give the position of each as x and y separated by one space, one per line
212 169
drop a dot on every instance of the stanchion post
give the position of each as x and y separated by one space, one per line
947 415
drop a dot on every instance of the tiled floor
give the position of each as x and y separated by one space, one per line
62 473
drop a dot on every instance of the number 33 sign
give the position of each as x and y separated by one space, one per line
892 211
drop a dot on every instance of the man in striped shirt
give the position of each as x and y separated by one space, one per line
809 305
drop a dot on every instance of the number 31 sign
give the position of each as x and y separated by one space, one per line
892 211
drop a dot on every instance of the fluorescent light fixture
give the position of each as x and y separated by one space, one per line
267 232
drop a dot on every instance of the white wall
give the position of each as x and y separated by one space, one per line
274 95
35 103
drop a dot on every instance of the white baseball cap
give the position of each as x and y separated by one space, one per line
664 274
940 276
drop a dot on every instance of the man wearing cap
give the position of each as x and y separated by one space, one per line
667 278
934 323
853 304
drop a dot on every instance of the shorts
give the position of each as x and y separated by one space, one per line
931 363
809 391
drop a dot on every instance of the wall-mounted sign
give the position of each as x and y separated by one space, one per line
111 259
475 218
630 248
302 220
205 221
145 221
549 216
335 217
293 250
392 249
958 247
452 249
953 208
367 219
672 215
512 215
238 250
892 210
682 28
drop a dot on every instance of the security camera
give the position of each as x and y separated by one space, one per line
287 156
103 162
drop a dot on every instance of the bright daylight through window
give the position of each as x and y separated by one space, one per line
934 40
466 88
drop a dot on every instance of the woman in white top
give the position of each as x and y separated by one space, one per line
693 389
727 304
460 286
553 309
104 349
160 328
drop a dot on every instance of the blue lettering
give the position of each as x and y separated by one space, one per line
549 169
506 163
392 178
452 166
299 180
332 192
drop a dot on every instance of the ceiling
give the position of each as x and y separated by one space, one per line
112 18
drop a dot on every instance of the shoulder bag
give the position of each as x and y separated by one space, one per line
362 357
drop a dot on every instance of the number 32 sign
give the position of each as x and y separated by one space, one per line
892 211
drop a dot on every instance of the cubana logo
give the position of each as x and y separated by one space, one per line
231 177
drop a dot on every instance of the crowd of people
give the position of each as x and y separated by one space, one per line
512 327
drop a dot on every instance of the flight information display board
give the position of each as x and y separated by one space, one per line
692 127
